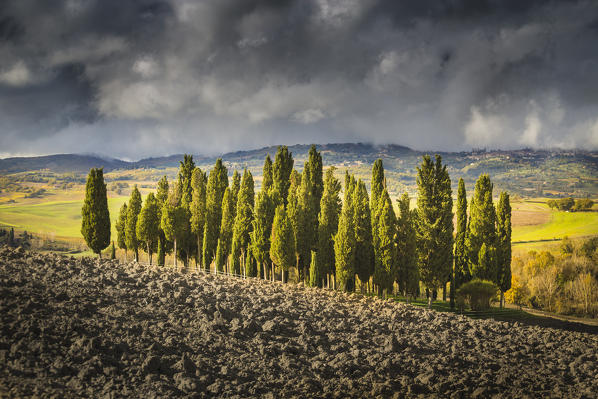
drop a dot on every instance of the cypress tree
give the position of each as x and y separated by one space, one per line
330 207
161 198
242 224
314 168
112 252
377 188
263 217
234 191
217 183
407 272
176 226
186 168
481 229
226 231
198 209
434 230
315 278
461 270
268 179
294 213
307 224
148 225
503 255
95 223
133 210
364 249
283 165
344 242
282 249
121 225
384 269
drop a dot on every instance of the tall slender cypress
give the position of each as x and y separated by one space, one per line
217 184
242 225
364 249
95 217
161 198
234 191
407 275
503 255
121 225
344 245
385 265
133 210
461 270
262 230
434 230
307 224
226 231
282 248
481 230
148 226
283 165
268 177
330 207
377 186
198 209
186 168
314 166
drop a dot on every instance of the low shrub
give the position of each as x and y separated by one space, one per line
478 293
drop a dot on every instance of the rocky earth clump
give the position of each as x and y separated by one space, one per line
88 328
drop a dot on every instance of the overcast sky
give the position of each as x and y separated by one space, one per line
133 79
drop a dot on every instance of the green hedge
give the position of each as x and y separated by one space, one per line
477 293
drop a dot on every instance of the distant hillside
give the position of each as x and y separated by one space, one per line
524 172
61 163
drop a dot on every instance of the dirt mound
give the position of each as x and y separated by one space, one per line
85 328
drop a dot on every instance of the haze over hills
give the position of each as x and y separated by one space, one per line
525 172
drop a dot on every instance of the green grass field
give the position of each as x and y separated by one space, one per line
59 218
561 224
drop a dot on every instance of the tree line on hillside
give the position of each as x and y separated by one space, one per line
571 204
298 220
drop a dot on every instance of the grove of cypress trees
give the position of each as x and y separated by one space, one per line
503 245
226 231
434 230
198 209
242 225
148 225
217 183
481 230
344 243
330 207
461 269
407 271
133 210
121 225
281 172
263 217
364 248
384 269
282 248
95 221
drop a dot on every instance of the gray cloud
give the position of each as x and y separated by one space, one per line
139 78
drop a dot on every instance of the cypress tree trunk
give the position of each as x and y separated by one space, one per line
430 302
444 293
174 253
100 254
502 299
136 254
149 255
452 291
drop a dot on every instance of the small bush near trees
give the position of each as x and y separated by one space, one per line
478 293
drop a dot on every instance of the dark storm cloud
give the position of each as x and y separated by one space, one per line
141 78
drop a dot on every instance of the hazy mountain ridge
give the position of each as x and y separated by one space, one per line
525 171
